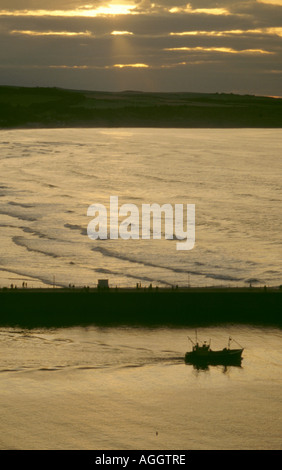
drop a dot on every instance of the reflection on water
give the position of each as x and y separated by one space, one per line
206 367
51 180
112 388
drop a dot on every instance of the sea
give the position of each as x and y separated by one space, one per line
125 388
49 178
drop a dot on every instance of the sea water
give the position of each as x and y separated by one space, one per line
49 178
129 388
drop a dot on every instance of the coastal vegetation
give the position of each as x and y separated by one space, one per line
22 107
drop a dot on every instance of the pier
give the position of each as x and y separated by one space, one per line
179 307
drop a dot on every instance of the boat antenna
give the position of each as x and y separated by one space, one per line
232 339
190 339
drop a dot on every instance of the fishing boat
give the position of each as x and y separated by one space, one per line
203 354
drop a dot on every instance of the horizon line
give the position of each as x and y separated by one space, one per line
50 87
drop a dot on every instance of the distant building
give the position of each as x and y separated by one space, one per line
103 283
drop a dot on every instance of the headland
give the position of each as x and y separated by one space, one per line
28 108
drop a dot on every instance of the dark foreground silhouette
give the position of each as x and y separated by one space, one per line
202 354
54 107
139 307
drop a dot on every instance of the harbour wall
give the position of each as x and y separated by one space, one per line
32 308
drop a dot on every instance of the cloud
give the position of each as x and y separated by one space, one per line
275 31
52 33
271 2
38 4
121 33
112 7
171 44
138 66
225 50
93 10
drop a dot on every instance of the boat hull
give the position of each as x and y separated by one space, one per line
223 357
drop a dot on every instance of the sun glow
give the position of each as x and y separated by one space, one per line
271 2
121 33
273 31
121 66
115 9
86 11
52 33
227 50
206 11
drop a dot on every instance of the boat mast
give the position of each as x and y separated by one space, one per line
193 344
232 339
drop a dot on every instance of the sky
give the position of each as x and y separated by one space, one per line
167 45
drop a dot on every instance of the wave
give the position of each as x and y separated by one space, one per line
30 230
153 361
79 228
18 216
18 240
111 254
12 203
157 178
38 234
132 276
253 280
25 275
